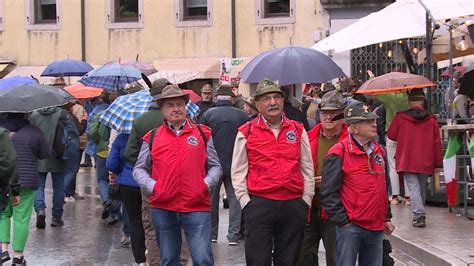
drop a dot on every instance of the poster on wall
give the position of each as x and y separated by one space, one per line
227 65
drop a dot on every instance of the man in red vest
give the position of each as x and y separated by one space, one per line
272 174
322 137
354 190
178 165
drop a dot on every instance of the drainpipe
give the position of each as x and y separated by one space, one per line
233 30
83 31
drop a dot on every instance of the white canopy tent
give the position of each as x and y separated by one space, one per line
401 19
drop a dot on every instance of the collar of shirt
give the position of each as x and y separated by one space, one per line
371 145
269 125
178 130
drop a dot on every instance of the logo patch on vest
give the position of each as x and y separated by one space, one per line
291 136
378 159
192 140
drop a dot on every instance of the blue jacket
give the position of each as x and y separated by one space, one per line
116 162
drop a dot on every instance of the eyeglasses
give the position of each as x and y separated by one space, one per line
268 98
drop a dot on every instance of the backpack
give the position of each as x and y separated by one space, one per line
66 140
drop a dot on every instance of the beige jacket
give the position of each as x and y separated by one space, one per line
240 168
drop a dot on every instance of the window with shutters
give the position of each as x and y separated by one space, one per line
275 11
42 14
124 14
193 13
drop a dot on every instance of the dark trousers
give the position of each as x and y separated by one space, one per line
274 225
132 201
314 231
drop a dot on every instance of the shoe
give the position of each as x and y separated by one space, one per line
69 199
113 221
214 240
234 243
41 219
86 164
407 202
57 222
78 197
18 261
5 256
125 241
394 201
106 210
420 222
225 203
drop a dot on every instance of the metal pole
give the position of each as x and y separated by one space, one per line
233 29
428 57
83 31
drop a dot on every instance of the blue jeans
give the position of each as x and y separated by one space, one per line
72 168
235 211
197 228
354 240
102 175
58 194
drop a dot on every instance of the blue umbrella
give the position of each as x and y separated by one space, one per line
15 81
67 68
291 65
112 77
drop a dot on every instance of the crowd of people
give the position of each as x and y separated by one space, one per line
294 172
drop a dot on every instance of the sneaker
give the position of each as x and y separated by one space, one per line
407 201
113 221
125 241
69 199
87 164
18 261
214 240
234 243
57 222
420 222
106 210
5 256
41 219
394 201
78 197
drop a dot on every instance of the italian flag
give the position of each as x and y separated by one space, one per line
449 166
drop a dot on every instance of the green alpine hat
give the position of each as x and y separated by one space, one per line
357 112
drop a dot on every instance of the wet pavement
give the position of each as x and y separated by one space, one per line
85 239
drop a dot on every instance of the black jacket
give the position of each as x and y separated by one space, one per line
295 114
224 120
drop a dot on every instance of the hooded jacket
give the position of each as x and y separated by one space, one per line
47 119
419 148
30 145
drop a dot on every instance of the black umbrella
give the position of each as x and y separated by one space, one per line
291 65
29 97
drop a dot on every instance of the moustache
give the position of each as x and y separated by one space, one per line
271 108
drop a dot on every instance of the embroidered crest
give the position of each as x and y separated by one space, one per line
192 140
366 108
349 113
291 136
379 159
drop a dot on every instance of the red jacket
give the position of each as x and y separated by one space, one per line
354 186
313 136
179 168
274 165
419 148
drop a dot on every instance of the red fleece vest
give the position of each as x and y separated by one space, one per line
179 168
274 164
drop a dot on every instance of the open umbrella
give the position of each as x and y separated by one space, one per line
175 76
145 68
121 113
29 97
291 65
194 97
80 91
112 77
461 69
394 82
15 81
66 68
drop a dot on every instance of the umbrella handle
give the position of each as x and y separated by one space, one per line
147 81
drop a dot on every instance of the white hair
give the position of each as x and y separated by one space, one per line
224 98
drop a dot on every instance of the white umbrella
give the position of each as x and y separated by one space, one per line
173 76
399 20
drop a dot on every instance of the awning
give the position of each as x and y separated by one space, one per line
402 19
207 67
